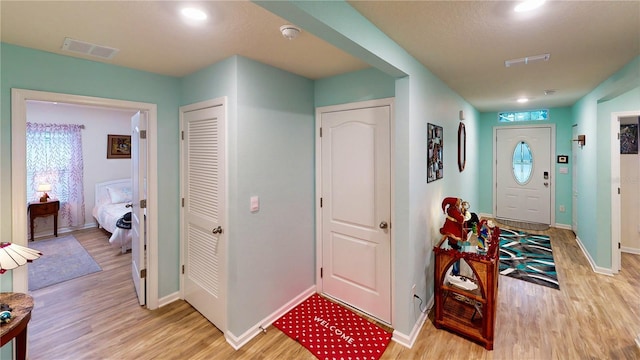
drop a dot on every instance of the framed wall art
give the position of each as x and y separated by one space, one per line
628 138
435 165
118 146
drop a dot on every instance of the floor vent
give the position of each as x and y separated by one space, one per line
81 47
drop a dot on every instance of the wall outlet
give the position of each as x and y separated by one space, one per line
413 290
562 208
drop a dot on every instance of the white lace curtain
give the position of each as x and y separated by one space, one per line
54 156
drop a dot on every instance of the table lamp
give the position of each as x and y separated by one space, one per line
44 188
13 256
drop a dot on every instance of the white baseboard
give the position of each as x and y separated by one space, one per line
49 232
238 341
594 267
168 299
409 340
563 226
630 250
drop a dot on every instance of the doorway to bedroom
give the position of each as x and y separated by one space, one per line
27 103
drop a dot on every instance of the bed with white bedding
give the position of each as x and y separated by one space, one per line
111 200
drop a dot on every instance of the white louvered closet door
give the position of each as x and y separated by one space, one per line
205 240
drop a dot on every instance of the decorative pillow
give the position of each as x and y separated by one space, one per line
119 194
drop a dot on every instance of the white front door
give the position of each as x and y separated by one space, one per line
203 188
356 208
524 176
138 203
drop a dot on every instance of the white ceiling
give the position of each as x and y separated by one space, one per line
465 43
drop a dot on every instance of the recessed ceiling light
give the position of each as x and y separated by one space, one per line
528 5
194 14
523 100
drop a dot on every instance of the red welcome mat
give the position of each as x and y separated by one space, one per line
331 331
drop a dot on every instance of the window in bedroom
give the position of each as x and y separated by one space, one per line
54 156
533 115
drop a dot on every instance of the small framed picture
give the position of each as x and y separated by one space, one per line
563 159
435 164
118 146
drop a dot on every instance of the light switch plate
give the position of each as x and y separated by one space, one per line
255 204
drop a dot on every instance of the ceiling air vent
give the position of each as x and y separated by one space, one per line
81 47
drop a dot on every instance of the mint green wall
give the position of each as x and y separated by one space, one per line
592 114
36 70
367 84
270 143
563 120
420 98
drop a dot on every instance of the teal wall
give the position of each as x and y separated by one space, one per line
270 144
367 84
563 120
420 98
271 154
36 70
592 114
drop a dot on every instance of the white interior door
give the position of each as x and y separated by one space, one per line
204 248
524 174
356 208
138 203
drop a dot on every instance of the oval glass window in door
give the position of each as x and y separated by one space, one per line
522 163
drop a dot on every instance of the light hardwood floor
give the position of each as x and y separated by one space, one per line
97 317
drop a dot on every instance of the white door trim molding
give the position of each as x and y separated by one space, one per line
318 185
19 98
551 161
615 185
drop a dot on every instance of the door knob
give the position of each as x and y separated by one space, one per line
384 225
546 184
217 230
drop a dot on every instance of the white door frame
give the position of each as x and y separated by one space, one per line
615 185
552 167
19 98
319 244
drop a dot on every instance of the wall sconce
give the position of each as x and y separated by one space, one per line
582 140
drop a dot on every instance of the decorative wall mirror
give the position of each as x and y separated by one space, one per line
462 147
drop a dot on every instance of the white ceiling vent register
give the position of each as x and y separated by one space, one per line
81 47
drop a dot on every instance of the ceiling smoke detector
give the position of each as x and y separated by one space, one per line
289 32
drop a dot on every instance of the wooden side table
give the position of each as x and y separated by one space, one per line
38 209
22 304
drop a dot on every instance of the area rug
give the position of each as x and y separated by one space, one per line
528 257
331 331
62 259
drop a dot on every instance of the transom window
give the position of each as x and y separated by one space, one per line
533 115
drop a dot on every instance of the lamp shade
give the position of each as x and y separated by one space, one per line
12 256
44 187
